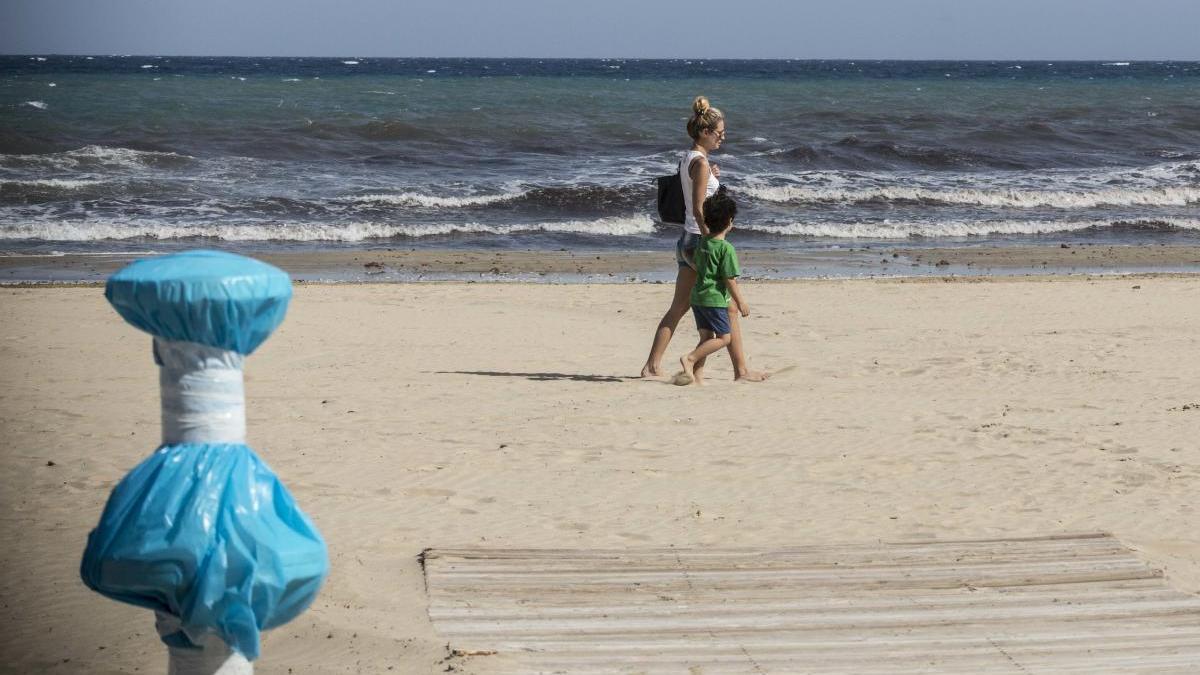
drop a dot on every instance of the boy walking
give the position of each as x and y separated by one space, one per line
716 282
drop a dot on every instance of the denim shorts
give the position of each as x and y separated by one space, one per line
715 319
688 241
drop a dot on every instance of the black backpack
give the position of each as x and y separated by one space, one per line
670 198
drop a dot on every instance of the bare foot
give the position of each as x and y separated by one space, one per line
650 371
752 376
686 377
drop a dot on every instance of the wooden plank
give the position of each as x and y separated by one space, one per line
1078 603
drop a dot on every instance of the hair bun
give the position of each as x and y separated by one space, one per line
700 105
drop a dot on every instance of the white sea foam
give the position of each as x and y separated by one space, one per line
63 183
955 228
317 232
91 155
291 79
1012 198
60 254
433 201
350 63
1117 63
1166 184
148 65
40 105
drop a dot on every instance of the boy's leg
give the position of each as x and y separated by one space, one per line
698 368
702 350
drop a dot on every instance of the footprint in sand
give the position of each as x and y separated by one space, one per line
681 379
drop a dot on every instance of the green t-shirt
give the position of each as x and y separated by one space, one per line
716 261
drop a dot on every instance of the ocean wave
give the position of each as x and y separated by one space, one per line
1011 198
54 183
310 232
395 130
892 152
982 228
96 157
434 201
585 197
61 254
123 194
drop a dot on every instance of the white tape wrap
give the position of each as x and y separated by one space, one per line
211 657
203 400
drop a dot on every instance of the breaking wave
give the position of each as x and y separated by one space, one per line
936 229
311 232
1011 198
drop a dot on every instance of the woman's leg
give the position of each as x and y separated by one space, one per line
666 328
737 350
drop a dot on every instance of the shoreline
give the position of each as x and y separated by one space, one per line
408 265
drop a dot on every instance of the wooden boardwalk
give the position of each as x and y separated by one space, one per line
1065 604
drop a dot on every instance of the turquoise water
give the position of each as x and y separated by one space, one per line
134 152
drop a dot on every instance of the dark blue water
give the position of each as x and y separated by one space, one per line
120 153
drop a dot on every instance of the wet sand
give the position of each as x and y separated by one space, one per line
395 264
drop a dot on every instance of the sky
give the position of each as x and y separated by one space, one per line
799 29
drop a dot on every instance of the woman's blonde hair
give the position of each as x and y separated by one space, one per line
704 118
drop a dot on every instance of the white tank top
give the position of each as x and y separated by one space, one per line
685 177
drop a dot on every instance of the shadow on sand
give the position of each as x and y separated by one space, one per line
541 377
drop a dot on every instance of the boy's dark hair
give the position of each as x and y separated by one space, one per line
719 211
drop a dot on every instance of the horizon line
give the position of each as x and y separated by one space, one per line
610 58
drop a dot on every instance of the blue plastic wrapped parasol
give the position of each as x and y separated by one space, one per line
202 531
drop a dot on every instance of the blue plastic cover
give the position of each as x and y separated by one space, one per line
208 534
210 297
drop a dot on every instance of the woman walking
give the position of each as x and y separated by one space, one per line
700 180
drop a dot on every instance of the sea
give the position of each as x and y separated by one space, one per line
103 154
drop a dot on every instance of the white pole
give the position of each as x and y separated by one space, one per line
207 311
202 402
211 657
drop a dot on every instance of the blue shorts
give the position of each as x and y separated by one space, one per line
715 319
685 248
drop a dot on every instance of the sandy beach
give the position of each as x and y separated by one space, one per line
409 416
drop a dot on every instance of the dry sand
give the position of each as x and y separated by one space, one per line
430 415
